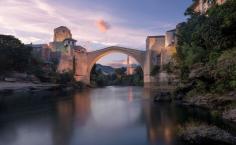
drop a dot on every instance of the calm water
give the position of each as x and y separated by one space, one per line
104 116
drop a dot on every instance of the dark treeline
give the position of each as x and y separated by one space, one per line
98 78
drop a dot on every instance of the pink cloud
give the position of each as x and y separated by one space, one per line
102 25
121 63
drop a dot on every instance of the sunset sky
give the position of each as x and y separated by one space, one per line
94 23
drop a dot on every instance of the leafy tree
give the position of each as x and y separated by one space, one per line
14 56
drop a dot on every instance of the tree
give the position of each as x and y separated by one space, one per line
14 56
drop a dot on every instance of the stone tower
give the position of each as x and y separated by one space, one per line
61 33
129 66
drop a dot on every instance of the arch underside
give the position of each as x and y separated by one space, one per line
85 65
94 56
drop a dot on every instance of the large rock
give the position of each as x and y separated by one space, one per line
203 134
230 115
163 97
210 101
181 92
198 71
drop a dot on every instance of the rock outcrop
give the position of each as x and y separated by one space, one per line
203 134
230 115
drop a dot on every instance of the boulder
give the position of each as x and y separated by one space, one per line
204 134
230 115
10 79
198 71
163 97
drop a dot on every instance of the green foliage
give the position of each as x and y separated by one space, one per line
225 70
14 56
36 67
205 34
98 78
155 70
64 78
119 78
210 40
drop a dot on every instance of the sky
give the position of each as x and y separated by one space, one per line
95 24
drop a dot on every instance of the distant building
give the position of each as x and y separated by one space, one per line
201 6
130 67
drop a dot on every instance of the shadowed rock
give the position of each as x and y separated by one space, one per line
203 134
163 97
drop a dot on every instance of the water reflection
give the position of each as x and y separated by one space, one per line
160 121
82 104
103 116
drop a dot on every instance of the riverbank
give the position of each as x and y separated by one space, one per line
16 87
222 106
198 134
25 85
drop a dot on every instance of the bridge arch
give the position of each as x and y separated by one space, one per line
94 56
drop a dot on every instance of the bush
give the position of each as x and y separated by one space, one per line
155 70
65 78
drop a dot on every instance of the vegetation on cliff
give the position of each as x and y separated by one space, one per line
206 49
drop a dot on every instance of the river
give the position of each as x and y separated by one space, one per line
101 116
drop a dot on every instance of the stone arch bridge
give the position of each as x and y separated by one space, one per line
84 61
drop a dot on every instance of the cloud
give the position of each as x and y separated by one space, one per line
34 20
102 25
117 63
30 39
121 63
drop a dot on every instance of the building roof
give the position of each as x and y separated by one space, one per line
37 45
70 39
173 30
61 27
79 48
159 36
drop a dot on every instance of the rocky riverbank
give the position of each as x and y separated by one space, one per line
204 134
222 105
7 88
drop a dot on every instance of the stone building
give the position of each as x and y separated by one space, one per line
201 6
61 33
63 48
161 50
80 60
162 47
60 51
130 67
155 45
